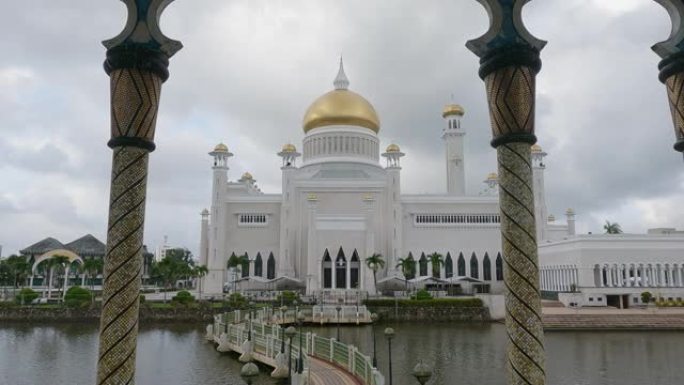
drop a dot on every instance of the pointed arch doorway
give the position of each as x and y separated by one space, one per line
340 270
327 270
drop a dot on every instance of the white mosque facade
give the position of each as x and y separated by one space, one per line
341 202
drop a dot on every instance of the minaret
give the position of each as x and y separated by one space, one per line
541 211
453 136
393 154
216 260
570 214
285 265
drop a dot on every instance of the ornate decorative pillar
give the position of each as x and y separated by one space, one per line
672 67
509 63
137 63
312 258
365 271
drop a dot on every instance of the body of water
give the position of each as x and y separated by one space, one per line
461 354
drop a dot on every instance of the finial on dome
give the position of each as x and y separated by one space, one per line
341 81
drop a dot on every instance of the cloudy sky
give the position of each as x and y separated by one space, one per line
250 68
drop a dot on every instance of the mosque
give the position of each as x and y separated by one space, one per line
341 202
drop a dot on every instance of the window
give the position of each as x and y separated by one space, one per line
499 267
456 219
461 265
252 219
600 299
487 268
423 265
591 299
474 272
448 266
635 299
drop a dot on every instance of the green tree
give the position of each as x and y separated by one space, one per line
92 267
408 268
375 262
63 263
612 228
19 269
199 271
437 261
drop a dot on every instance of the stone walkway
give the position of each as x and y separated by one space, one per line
325 373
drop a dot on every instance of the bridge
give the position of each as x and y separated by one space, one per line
262 338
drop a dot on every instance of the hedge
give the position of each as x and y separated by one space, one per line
435 302
27 296
78 296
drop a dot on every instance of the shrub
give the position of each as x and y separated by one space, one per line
237 301
142 299
423 295
78 296
287 297
435 302
183 297
646 297
28 296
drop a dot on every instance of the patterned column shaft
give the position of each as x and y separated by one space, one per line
137 65
675 96
521 271
509 63
135 101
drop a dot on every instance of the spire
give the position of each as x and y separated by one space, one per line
341 82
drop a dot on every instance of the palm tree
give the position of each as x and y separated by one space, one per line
408 268
612 228
375 263
92 267
49 266
437 261
63 262
200 271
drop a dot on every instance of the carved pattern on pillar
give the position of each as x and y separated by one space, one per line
521 275
135 102
122 270
510 93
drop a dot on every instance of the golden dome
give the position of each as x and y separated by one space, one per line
452 109
393 148
289 148
536 148
247 176
341 107
221 148
492 176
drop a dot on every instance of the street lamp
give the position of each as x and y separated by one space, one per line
289 333
338 308
248 372
283 310
300 362
249 324
374 318
389 334
422 372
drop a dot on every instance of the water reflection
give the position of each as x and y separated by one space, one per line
461 354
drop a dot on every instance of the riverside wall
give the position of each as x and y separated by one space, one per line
36 314
431 314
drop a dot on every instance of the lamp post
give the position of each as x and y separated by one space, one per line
671 67
283 310
389 334
338 308
300 361
289 333
422 372
250 316
509 63
374 318
137 64
248 372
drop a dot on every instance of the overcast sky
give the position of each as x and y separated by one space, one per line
250 68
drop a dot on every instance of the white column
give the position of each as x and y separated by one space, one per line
609 275
679 275
618 274
600 274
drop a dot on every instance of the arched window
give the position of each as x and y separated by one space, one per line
245 266
448 266
422 265
461 265
354 271
499 267
474 272
486 268
411 274
270 267
258 266
327 270
340 270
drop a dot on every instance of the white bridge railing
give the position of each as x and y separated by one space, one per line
270 346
